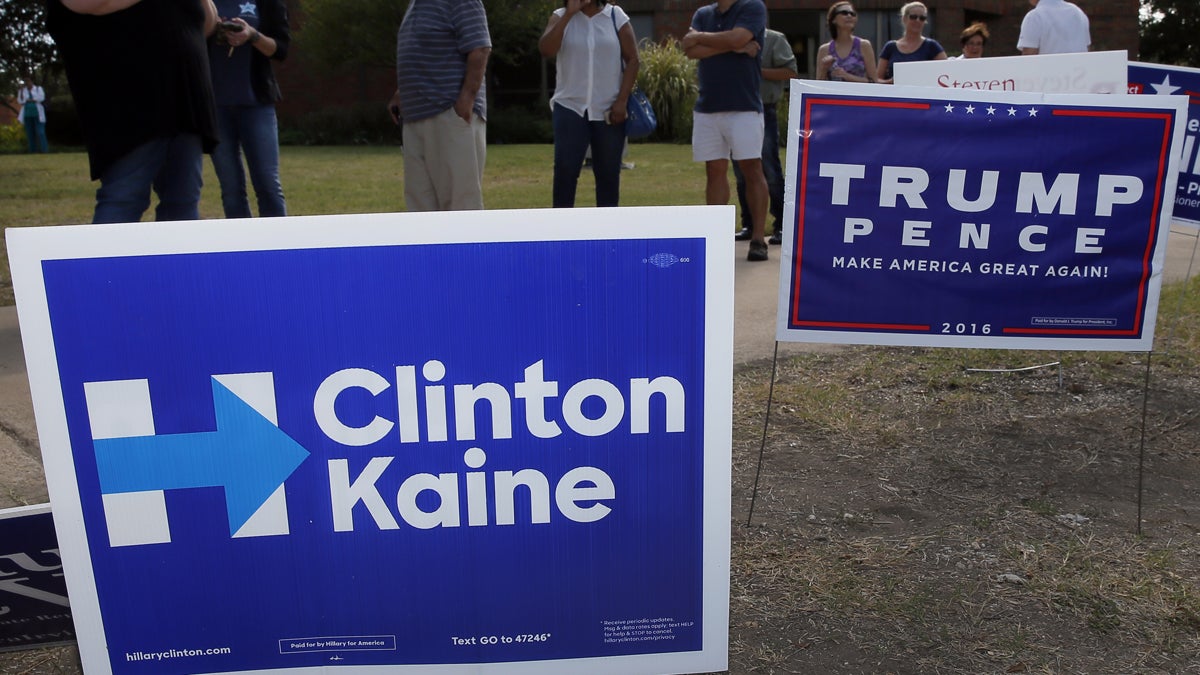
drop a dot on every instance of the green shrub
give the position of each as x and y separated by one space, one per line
12 138
361 124
669 79
62 124
519 124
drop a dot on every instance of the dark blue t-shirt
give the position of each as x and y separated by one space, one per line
928 51
231 72
729 82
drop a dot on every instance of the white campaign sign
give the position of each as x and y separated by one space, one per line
1088 73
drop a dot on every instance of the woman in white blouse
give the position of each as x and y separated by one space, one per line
597 62
33 114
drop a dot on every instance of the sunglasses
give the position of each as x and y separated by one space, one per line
845 12
917 17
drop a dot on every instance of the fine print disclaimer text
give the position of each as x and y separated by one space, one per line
339 643
642 630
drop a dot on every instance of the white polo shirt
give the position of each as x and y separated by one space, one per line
1055 27
588 64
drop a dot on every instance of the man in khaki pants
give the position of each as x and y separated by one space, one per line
442 49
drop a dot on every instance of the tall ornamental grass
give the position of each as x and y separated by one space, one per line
669 80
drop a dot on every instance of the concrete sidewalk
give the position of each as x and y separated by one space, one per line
755 291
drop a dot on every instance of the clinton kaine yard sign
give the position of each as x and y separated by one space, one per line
974 219
471 442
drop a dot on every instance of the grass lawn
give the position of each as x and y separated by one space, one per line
54 189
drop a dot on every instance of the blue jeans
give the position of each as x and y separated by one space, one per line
170 165
35 134
572 135
772 169
249 128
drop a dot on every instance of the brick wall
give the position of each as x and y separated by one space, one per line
307 87
7 116
1114 24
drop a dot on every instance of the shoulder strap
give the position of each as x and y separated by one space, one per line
612 12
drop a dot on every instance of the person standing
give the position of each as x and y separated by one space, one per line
727 37
1054 27
912 46
778 66
847 57
138 70
250 35
442 49
31 98
596 61
973 38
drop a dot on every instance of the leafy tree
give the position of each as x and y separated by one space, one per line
338 33
1168 30
515 26
24 45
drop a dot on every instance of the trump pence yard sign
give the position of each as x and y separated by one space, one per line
490 442
944 217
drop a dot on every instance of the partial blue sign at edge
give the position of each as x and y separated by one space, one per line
34 609
1157 79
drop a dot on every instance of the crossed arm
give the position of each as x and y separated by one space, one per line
701 45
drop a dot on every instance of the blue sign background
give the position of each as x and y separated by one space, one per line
1154 79
1108 298
26 621
588 309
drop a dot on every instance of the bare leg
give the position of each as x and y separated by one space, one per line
756 195
716 187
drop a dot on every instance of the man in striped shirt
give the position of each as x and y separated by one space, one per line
442 49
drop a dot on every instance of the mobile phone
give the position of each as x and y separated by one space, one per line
230 26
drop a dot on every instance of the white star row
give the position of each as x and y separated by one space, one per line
991 110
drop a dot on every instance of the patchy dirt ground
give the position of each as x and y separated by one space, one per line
915 517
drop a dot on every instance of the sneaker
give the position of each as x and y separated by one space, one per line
743 234
758 251
776 239
626 166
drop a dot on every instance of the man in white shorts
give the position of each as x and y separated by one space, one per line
726 37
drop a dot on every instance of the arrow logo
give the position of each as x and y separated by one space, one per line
247 455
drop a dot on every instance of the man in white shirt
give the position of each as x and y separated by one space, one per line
1054 27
